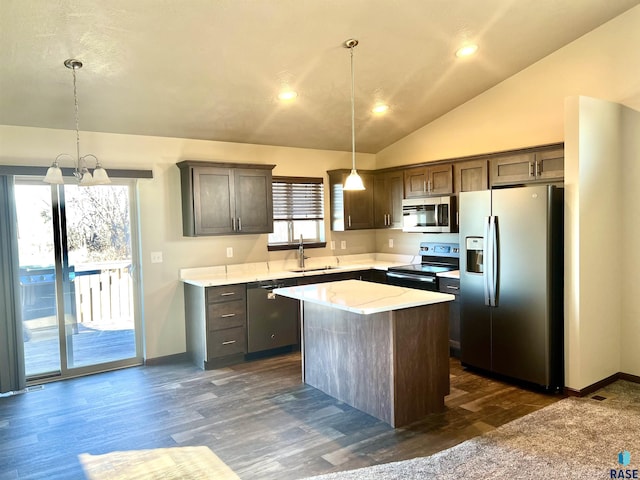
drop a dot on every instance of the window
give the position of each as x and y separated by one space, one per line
298 209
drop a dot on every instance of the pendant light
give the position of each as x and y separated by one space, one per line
81 172
353 182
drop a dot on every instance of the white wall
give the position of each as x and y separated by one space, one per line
630 361
593 242
160 209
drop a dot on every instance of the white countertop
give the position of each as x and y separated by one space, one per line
363 297
255 272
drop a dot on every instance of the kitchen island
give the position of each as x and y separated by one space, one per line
380 348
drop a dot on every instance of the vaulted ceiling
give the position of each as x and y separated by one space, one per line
212 69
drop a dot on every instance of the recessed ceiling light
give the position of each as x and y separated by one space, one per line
380 108
467 50
287 95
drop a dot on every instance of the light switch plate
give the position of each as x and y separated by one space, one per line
391 243
229 252
332 244
156 257
343 244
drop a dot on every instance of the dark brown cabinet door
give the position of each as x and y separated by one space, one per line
440 179
415 182
388 192
470 176
253 201
426 181
513 169
350 210
213 204
358 205
550 165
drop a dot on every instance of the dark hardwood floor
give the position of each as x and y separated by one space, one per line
257 417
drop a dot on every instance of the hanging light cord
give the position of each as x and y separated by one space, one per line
353 112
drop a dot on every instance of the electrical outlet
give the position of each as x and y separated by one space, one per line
343 244
156 257
229 252
391 243
332 244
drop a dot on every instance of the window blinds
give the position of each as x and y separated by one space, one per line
298 198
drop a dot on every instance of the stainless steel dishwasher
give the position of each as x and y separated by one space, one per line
272 320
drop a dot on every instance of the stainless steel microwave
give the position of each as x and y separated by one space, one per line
429 215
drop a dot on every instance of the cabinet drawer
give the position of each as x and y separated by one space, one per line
449 285
226 315
226 342
226 293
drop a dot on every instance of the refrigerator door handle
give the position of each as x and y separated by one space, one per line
485 255
493 264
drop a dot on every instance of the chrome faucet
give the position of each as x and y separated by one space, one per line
301 256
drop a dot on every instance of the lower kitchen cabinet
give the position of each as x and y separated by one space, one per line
216 322
452 286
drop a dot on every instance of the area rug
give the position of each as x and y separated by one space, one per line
576 438
184 463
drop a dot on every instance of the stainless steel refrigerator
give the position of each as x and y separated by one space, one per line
511 283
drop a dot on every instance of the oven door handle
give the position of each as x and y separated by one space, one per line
416 278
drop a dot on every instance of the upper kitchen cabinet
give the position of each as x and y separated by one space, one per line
541 166
470 175
388 192
352 209
225 198
428 180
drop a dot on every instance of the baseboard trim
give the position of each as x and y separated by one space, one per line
167 359
583 392
629 378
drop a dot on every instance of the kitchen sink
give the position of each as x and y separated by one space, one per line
315 269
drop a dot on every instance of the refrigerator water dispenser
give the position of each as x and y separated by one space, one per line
475 261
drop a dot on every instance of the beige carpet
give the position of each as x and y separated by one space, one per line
184 463
575 438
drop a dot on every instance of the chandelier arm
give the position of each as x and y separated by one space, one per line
75 104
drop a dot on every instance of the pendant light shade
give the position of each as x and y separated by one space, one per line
354 181
81 172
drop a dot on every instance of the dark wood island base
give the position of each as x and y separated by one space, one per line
393 365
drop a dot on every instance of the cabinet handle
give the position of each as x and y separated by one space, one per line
531 172
233 224
239 224
227 315
273 335
429 186
537 168
388 220
226 294
424 186
349 218
451 287
229 342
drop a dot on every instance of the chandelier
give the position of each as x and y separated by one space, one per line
353 181
81 171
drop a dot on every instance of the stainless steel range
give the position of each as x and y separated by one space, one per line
436 258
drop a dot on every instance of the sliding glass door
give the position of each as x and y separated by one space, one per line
78 289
